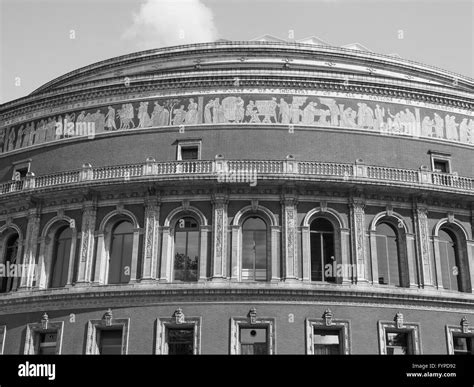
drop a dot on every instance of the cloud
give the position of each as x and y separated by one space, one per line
160 23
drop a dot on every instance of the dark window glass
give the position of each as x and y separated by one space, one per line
322 250
441 166
254 250
387 255
326 342
121 253
186 245
110 341
398 343
20 173
180 341
254 341
47 343
7 283
463 345
61 255
189 153
448 256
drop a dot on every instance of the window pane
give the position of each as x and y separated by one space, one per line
328 252
463 345
110 342
61 256
448 258
121 253
316 258
189 153
326 342
254 249
47 343
397 343
253 341
11 252
180 341
387 255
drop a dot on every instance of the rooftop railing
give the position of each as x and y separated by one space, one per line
228 171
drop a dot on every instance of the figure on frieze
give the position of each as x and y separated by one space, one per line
379 120
191 116
427 127
11 139
179 115
451 127
463 131
284 112
144 120
126 115
267 109
110 119
308 113
348 117
3 134
333 111
208 112
159 115
98 119
439 126
252 112
19 137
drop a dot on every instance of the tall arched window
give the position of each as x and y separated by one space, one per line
186 250
387 255
121 246
254 249
11 252
61 255
450 269
322 250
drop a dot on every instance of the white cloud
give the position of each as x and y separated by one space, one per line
160 23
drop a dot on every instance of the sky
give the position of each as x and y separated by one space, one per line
43 39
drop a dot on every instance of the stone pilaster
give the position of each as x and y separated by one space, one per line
151 251
358 245
420 215
290 246
86 253
31 244
219 231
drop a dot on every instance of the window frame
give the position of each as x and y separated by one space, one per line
3 335
21 164
343 327
399 326
267 250
33 331
463 330
178 321
252 321
93 333
440 157
323 262
188 144
186 230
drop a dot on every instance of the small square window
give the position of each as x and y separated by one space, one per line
107 336
189 153
463 345
252 335
328 336
44 338
20 169
47 343
178 335
441 166
188 150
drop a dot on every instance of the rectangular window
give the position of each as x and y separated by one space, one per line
463 345
180 341
189 153
110 341
47 343
253 341
326 342
20 169
398 343
440 162
441 166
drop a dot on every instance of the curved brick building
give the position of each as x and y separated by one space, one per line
239 197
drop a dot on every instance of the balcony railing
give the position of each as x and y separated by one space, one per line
225 171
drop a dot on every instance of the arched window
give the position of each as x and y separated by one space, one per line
61 255
11 252
450 269
254 249
387 255
322 250
186 250
120 260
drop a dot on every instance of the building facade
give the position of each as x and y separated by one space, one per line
239 198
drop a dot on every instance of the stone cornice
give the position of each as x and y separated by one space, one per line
146 87
146 295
